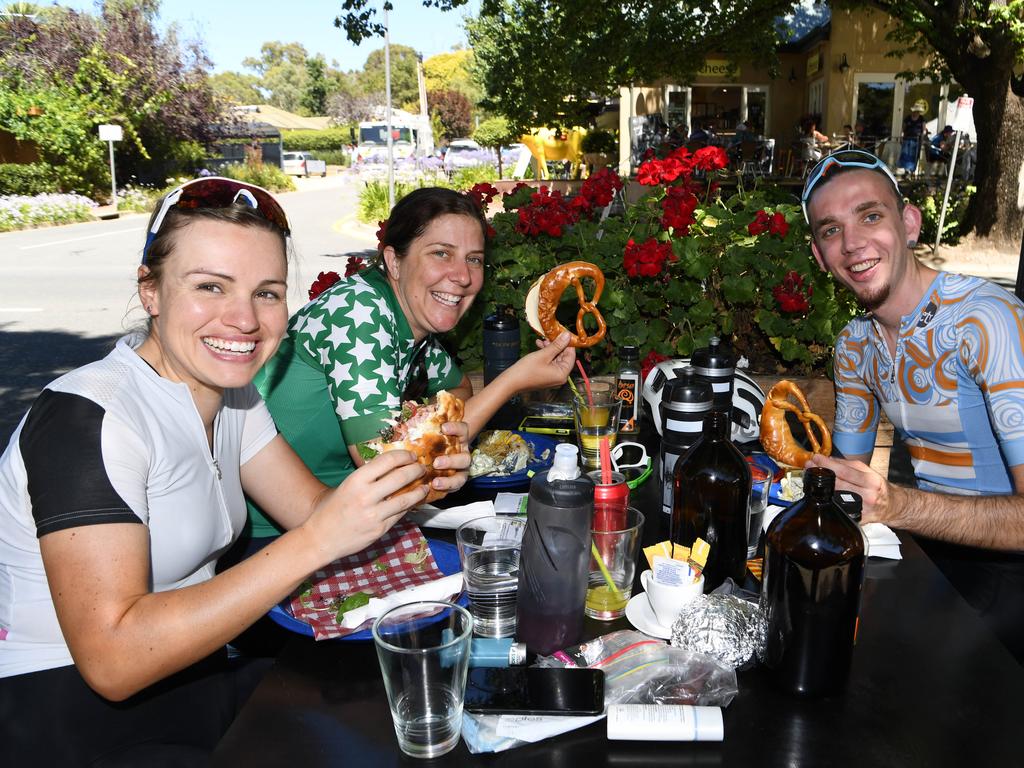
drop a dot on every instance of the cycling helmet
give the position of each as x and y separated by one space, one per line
747 399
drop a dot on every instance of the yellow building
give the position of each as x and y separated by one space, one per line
838 72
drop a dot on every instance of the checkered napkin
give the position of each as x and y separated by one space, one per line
398 560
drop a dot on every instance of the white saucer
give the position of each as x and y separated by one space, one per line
641 616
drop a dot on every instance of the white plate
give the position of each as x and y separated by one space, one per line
641 616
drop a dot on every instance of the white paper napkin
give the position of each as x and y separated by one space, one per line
881 541
430 516
439 589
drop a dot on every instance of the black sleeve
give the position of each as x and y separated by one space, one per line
68 483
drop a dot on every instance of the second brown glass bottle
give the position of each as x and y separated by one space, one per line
711 489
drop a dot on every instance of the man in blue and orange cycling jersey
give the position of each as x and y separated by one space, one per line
943 356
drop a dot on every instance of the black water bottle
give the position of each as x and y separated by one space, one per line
501 342
711 491
684 401
717 364
813 573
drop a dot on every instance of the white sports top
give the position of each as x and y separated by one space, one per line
113 442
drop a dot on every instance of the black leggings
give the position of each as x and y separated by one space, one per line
54 718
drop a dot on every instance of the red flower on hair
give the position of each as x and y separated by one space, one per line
382 231
792 294
323 281
647 259
353 265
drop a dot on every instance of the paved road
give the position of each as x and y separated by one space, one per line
67 293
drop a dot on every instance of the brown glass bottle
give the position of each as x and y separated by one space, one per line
813 574
710 491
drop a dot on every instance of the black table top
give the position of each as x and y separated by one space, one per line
929 686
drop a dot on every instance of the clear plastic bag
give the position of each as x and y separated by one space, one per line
640 670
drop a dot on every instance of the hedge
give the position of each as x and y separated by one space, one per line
313 141
27 179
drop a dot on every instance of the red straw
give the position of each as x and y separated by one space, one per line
606 462
586 383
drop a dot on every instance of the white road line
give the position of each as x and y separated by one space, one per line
76 239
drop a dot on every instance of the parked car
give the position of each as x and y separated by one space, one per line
302 164
465 153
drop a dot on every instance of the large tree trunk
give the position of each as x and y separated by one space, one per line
997 209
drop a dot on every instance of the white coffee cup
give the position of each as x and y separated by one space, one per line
667 600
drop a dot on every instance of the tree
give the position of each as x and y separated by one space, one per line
282 71
314 99
236 87
84 70
981 46
404 80
452 72
359 20
494 133
542 61
452 109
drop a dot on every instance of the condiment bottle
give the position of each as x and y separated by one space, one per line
684 402
711 488
813 574
627 385
554 564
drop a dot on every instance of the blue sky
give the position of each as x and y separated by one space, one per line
232 30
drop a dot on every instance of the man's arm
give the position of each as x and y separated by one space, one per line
992 522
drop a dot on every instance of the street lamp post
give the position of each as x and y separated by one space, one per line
387 96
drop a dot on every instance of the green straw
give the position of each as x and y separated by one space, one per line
604 571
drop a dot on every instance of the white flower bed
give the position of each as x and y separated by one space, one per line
21 211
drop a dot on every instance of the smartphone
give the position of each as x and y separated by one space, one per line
535 691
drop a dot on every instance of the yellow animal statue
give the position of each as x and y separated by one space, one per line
546 144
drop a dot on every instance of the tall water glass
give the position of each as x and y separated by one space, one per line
489 549
423 650
761 481
613 561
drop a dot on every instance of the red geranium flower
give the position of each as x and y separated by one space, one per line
710 158
792 294
482 194
323 281
648 363
778 226
647 259
678 208
353 265
382 230
759 224
547 213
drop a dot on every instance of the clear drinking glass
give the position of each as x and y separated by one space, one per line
597 417
489 549
423 649
618 552
761 480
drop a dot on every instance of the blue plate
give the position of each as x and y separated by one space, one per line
765 461
539 444
445 555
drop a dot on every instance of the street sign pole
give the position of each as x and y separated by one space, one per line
110 134
964 108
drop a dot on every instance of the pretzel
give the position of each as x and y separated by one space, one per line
546 293
776 439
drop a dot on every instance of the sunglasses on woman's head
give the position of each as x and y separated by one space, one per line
215 192
847 158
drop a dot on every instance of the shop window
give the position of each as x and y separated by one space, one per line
875 104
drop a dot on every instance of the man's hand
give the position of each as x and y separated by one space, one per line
856 476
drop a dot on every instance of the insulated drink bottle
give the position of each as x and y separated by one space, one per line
555 559
683 404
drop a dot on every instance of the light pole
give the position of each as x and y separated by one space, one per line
387 96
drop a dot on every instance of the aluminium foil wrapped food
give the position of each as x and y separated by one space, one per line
726 627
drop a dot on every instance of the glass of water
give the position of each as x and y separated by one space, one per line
423 649
761 481
489 549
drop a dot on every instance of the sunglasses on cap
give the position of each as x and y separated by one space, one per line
846 158
215 192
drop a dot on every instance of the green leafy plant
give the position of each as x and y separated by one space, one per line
600 141
930 203
682 264
27 179
373 200
262 175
